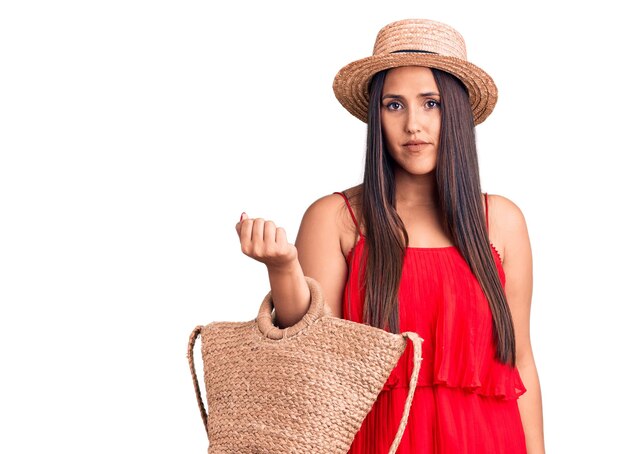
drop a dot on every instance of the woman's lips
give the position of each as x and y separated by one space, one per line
415 145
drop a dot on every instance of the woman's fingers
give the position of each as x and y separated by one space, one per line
263 241
257 233
245 232
238 226
281 237
269 233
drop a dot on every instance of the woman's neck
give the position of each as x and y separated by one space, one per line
416 190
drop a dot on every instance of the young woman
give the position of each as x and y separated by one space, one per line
418 247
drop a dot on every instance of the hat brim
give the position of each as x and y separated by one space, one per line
352 81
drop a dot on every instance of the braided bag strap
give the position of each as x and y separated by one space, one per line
192 342
417 358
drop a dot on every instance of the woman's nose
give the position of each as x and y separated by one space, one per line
413 121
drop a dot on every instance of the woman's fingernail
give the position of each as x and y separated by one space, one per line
241 218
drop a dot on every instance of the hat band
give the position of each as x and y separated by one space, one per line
413 51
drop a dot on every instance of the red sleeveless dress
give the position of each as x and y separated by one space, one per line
465 401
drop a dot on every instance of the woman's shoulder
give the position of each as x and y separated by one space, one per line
504 209
507 224
330 212
330 204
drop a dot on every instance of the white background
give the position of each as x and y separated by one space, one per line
134 133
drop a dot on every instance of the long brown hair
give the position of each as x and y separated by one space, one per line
459 202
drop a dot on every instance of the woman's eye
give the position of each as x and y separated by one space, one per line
394 105
431 104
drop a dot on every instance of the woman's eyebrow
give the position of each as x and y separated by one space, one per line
421 95
390 95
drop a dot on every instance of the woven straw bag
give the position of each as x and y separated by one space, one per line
303 389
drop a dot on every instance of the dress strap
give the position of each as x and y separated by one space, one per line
487 213
351 212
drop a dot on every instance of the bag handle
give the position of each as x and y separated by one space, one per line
192 342
266 320
417 359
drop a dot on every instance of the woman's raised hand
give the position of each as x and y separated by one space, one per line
263 241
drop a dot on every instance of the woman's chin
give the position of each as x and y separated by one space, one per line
416 171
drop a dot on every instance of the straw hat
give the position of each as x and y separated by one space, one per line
418 42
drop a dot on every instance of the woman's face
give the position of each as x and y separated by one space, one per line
411 118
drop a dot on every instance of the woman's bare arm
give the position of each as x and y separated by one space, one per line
319 248
509 223
317 254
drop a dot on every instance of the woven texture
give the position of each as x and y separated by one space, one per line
419 42
303 389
